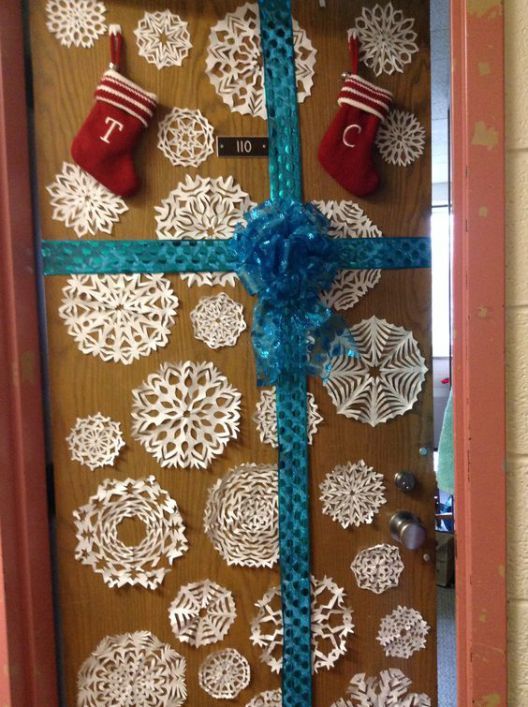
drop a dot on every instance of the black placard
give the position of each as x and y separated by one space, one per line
241 146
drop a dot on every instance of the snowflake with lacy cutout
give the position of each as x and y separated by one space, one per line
185 137
224 674
95 441
378 568
401 138
268 698
403 632
163 38
389 689
218 321
76 22
265 417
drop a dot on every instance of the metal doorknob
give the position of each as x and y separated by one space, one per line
407 529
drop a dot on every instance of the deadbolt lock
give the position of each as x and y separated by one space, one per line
405 481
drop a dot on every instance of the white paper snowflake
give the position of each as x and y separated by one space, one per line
352 494
185 414
224 674
163 38
202 613
387 38
95 441
185 137
265 417
81 203
378 568
234 61
119 318
389 689
403 632
218 321
132 670
331 625
97 531
269 698
77 22
384 381
400 138
241 516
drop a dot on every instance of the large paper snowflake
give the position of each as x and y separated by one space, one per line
97 531
224 674
352 494
95 441
81 203
384 381
185 414
387 38
400 138
269 698
202 613
119 318
241 516
331 625
378 568
234 61
163 38
403 632
77 22
185 137
218 321
266 417
389 689
132 670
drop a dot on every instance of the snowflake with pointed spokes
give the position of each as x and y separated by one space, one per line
389 689
401 138
224 674
269 698
403 632
352 494
163 38
218 321
76 22
185 137
378 568
95 441
265 417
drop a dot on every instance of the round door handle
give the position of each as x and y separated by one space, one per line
407 529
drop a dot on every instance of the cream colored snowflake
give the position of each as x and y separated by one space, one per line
389 689
378 568
185 137
403 632
163 38
218 321
76 22
224 674
265 417
95 441
269 698
400 138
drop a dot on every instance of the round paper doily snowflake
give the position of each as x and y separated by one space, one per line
265 417
390 689
202 613
185 414
218 321
77 22
384 381
403 632
269 698
81 203
132 670
387 38
352 494
400 138
224 674
119 318
163 38
331 625
185 137
234 61
97 531
378 568
95 441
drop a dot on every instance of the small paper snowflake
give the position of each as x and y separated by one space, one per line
218 321
352 494
400 138
378 568
202 613
185 137
265 417
185 414
224 674
390 689
77 22
269 698
163 38
331 625
95 441
403 632
97 531
242 515
387 38
81 203
132 670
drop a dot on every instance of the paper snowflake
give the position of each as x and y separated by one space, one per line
265 417
185 414
119 318
163 38
378 568
224 674
97 531
185 137
218 321
384 381
132 670
331 625
202 613
77 22
81 203
387 38
241 516
400 138
389 689
269 698
402 632
234 61
95 441
352 494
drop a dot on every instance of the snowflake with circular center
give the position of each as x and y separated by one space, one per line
389 689
384 380
402 632
185 414
387 38
97 526
265 417
378 568
119 318
132 670
81 203
95 441
218 321
269 698
242 515
224 674
234 61
163 38
185 137
331 625
400 138
77 22
352 494
202 613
